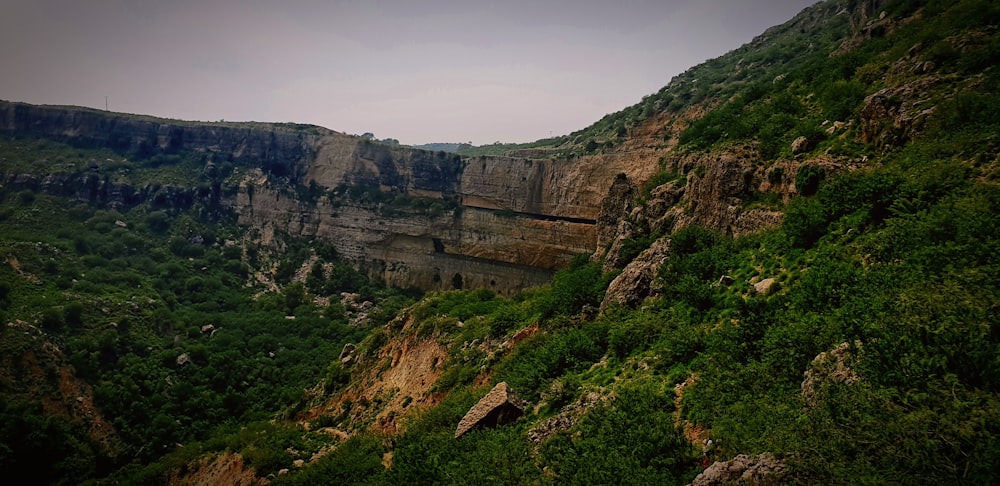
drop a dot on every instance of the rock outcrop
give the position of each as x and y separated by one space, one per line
828 367
712 191
892 116
637 280
618 202
743 469
568 417
500 406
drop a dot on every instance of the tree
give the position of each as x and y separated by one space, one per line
295 295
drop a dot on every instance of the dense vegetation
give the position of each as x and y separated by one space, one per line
908 280
153 310
893 264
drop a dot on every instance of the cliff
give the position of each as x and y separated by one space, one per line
410 217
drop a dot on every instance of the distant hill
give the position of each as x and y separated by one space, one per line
444 147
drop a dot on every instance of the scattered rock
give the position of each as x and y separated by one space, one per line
338 434
500 406
121 224
183 359
208 328
743 469
837 125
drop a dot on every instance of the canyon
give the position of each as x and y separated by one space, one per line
408 217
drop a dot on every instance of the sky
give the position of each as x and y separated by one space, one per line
417 71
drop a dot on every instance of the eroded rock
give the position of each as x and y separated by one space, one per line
636 282
500 406
347 354
567 418
743 469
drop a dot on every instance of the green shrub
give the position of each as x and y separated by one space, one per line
631 440
580 285
807 179
805 221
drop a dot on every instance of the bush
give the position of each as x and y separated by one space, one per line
807 179
26 197
698 258
158 222
580 285
73 314
631 440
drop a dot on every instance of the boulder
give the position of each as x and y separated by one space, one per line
500 406
801 145
347 354
637 280
764 287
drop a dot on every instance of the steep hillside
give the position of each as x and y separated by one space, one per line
794 281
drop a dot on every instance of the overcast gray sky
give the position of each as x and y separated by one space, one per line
431 71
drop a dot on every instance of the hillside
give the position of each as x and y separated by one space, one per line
786 271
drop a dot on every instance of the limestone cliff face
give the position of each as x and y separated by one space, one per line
280 149
431 220
102 191
465 247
